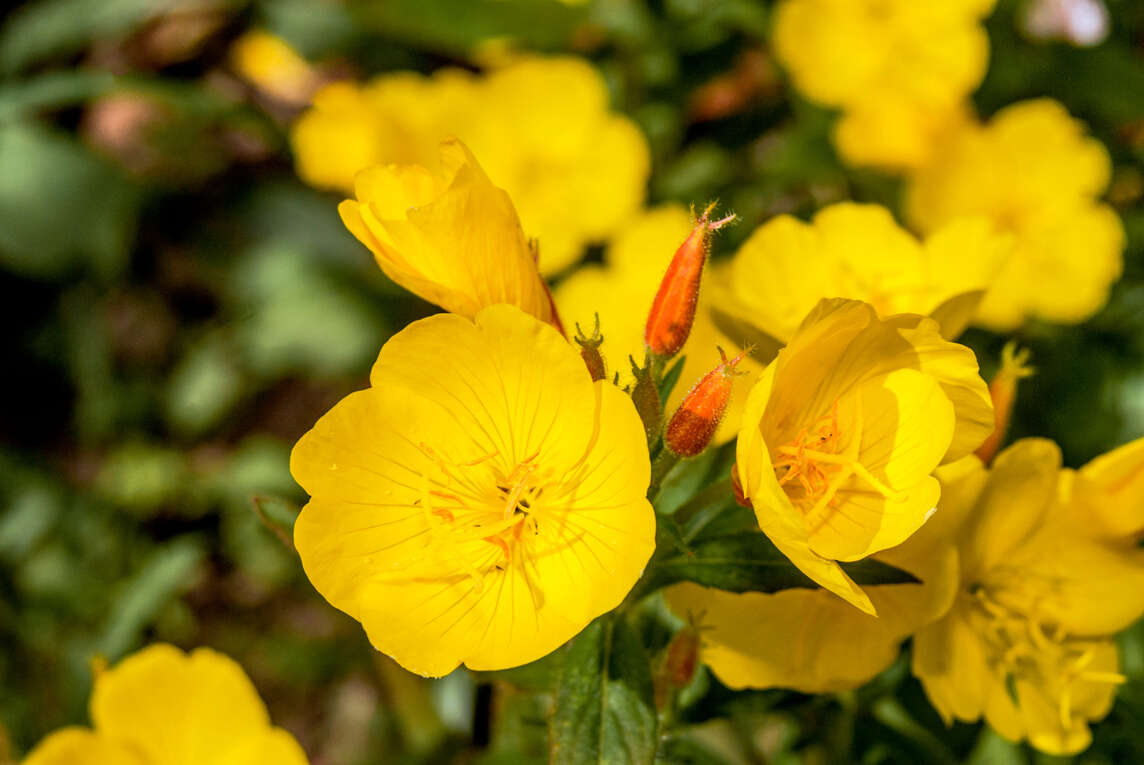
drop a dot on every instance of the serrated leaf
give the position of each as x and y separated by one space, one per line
749 562
604 703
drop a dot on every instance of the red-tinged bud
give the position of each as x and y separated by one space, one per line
673 311
590 351
645 396
679 664
737 487
1003 391
693 425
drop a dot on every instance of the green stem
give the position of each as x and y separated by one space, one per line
664 462
706 503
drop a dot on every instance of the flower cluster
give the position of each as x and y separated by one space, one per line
541 127
899 70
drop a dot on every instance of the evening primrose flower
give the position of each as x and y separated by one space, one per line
1044 586
843 430
621 291
161 706
896 68
482 501
811 641
1034 173
857 251
452 237
541 126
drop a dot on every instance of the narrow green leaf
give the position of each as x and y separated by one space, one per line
278 515
749 562
604 703
51 28
165 574
671 378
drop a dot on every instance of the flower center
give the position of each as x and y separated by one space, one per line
479 500
812 468
1026 647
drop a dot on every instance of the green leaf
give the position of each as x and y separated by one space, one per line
671 378
278 515
165 574
53 28
53 90
749 562
60 205
604 703
459 26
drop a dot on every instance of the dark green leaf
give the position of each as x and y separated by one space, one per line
749 562
604 704
59 206
670 378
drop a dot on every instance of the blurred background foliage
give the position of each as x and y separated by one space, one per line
178 308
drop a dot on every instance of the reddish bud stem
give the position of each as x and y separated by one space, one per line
673 311
1003 391
646 398
693 425
679 664
590 351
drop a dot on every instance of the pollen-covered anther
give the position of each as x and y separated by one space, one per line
814 467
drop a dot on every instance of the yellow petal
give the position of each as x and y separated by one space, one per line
1119 478
81 746
416 524
1013 503
949 659
184 709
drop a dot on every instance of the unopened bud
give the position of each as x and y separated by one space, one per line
679 664
645 396
590 350
694 423
673 311
1003 391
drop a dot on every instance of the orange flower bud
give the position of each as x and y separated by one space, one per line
693 425
590 351
1003 391
673 311
679 664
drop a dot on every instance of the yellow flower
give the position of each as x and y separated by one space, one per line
811 641
273 66
621 291
898 69
1043 587
858 251
161 706
843 430
452 237
1034 173
482 501
541 126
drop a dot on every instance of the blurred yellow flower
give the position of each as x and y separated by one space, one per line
482 501
843 430
898 69
269 63
621 291
1043 587
1034 173
541 126
450 237
811 641
161 706
858 251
